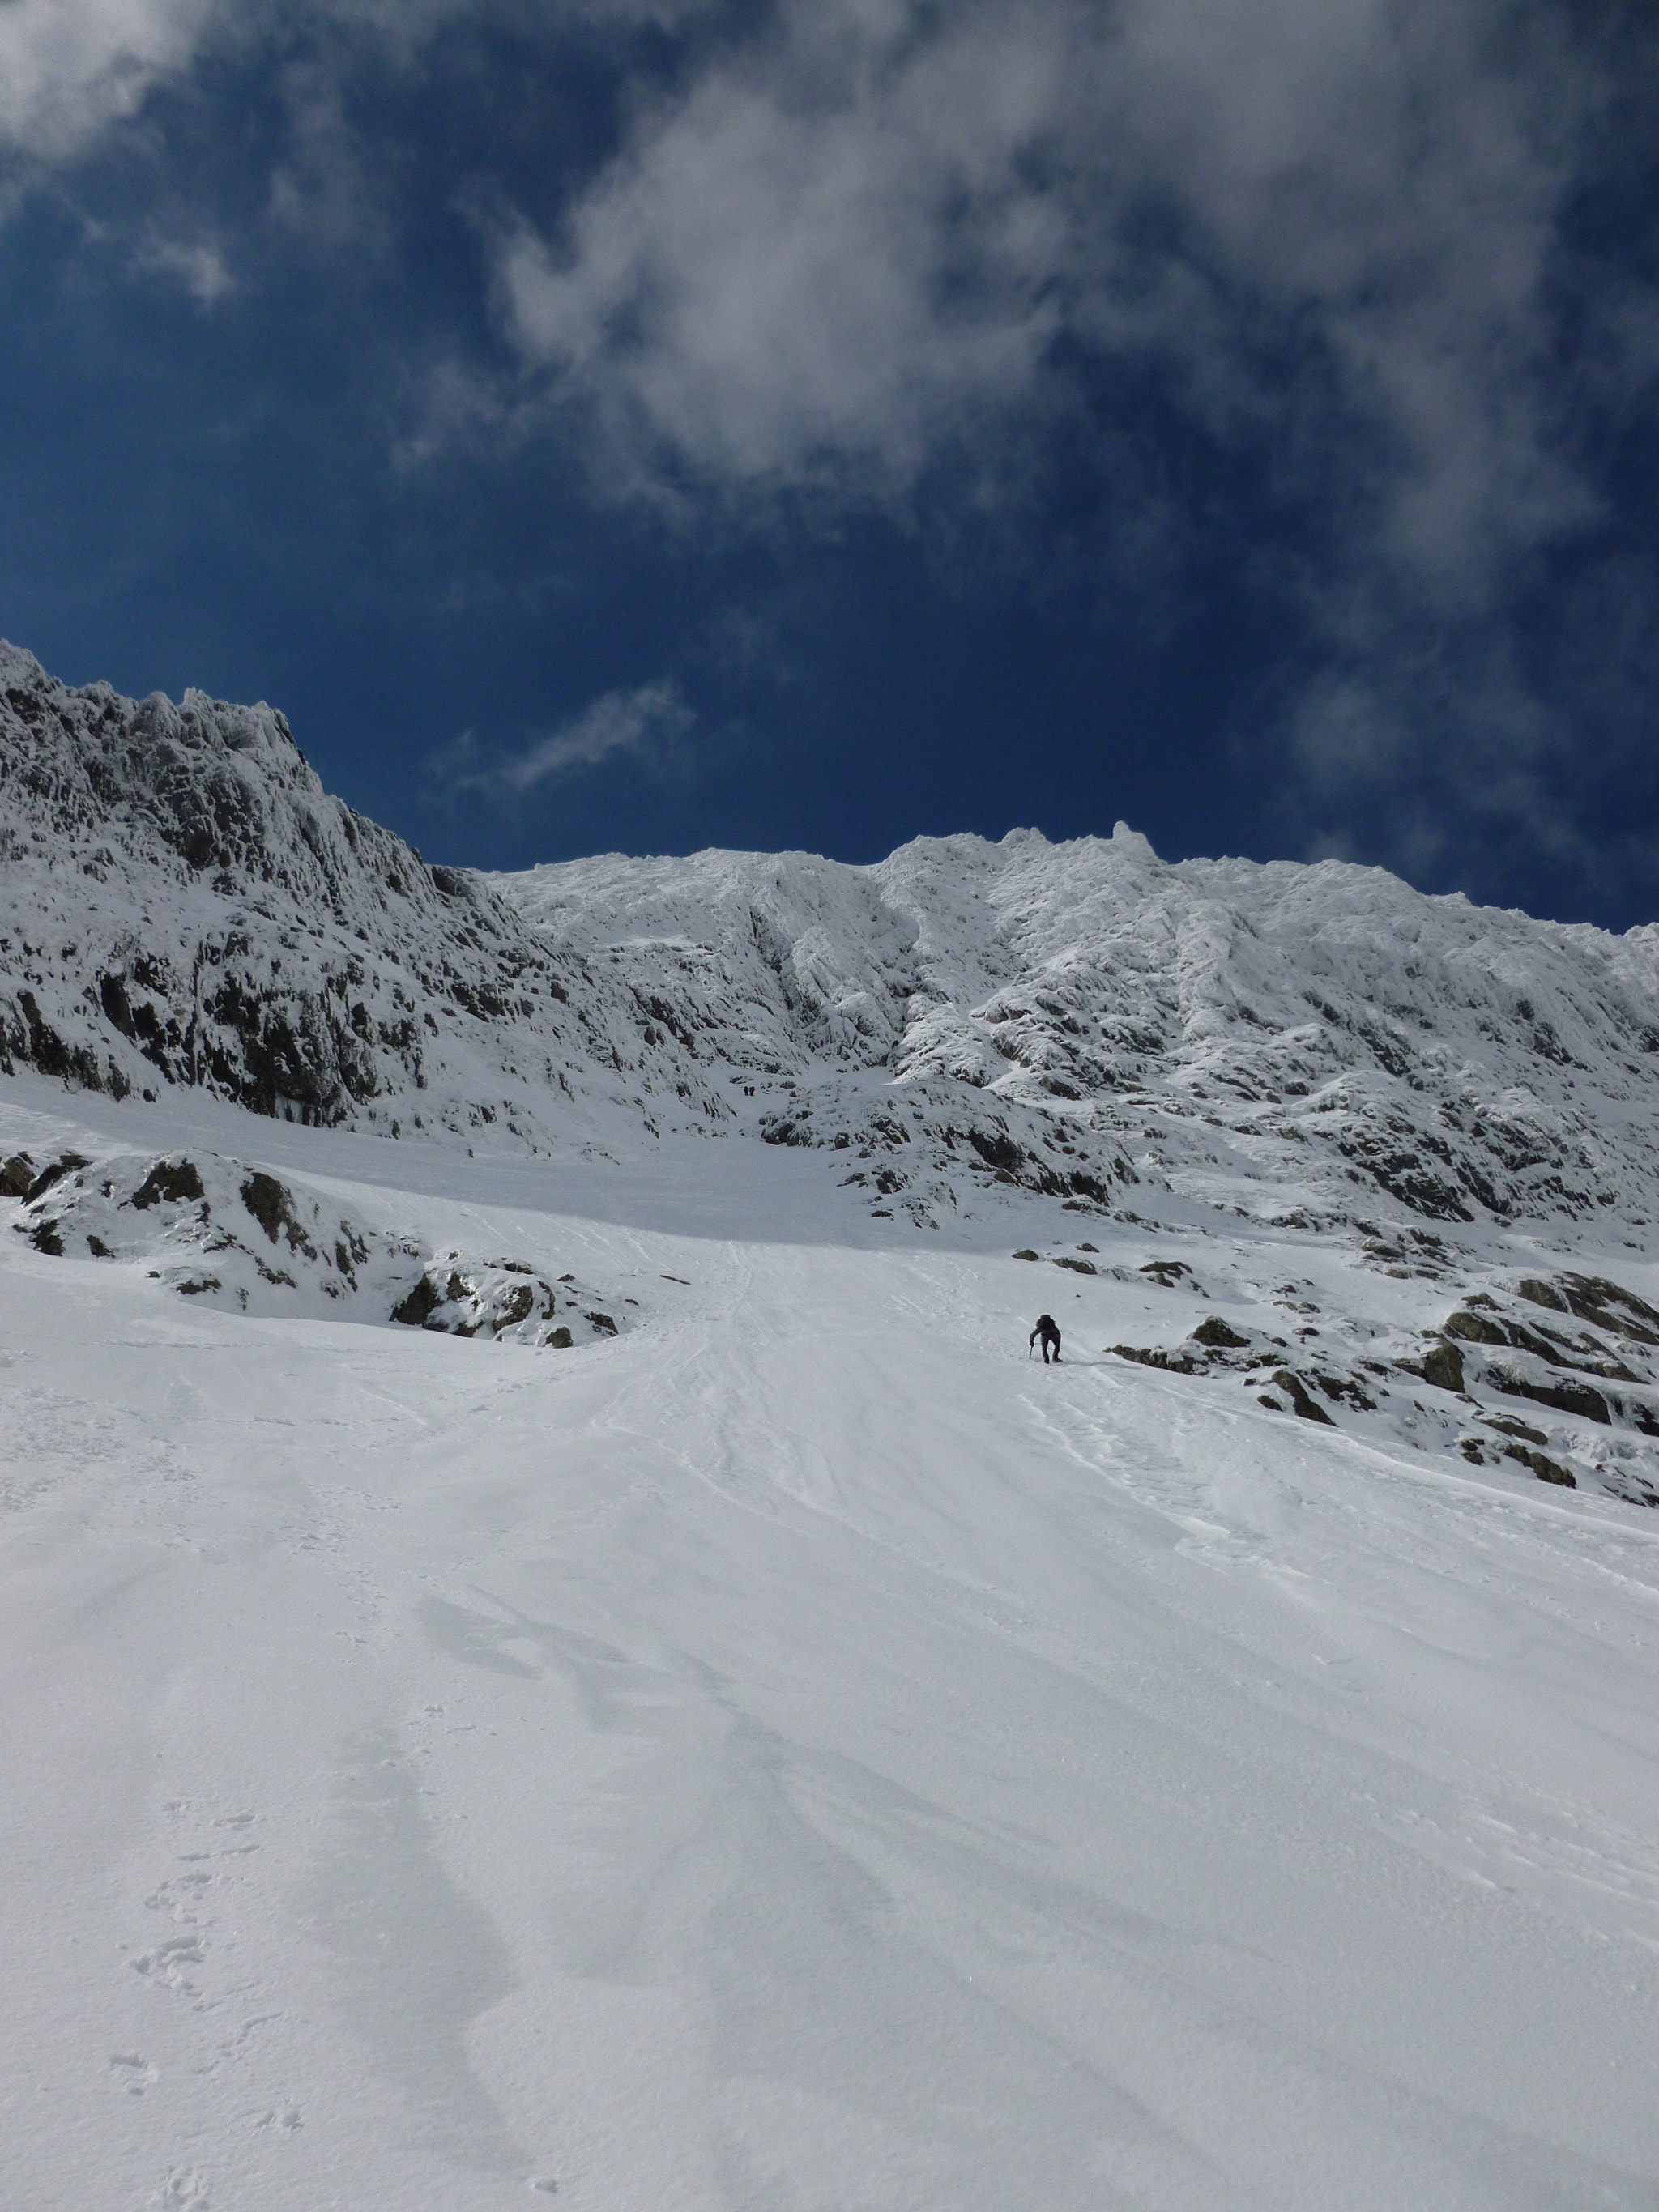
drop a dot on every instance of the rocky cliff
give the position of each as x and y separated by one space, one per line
183 903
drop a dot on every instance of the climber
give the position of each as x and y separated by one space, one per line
1050 1335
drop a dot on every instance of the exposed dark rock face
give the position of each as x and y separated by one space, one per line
175 1181
1583 1353
1603 1305
1475 1329
1575 1398
422 1302
1306 1407
1442 1367
271 1204
1215 1333
66 1164
1546 1469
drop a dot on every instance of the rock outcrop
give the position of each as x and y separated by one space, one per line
183 903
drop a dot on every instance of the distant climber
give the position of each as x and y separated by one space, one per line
1049 1335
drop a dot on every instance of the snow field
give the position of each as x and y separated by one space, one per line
800 1754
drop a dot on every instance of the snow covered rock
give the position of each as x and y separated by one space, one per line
1212 1022
241 1237
183 903
1492 1380
212 1228
505 1300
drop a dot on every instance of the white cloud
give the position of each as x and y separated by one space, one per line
653 715
650 722
865 236
852 237
70 68
198 265
825 251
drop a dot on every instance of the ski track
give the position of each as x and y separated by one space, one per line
800 1754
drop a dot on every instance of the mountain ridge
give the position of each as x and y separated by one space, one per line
183 903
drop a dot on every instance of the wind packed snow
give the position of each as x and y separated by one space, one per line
558 1642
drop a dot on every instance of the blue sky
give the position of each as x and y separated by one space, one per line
641 424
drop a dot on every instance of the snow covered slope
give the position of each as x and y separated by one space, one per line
800 1752
1325 1030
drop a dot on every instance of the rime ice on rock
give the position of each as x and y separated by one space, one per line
230 1234
183 903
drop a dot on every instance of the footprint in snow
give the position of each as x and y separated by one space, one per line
169 1963
185 2190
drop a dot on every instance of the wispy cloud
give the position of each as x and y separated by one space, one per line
198 265
650 723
